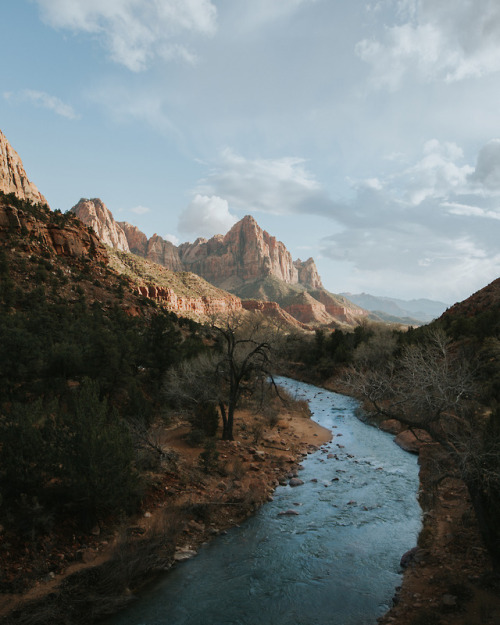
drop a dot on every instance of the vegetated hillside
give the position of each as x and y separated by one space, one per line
82 365
183 292
87 418
416 310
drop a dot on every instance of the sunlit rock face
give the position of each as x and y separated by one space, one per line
246 253
155 249
96 214
13 177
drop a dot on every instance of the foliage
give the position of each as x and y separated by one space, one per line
66 371
235 367
431 382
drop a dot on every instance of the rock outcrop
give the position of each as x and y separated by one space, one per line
155 249
274 311
308 274
13 177
308 310
244 254
204 306
94 213
43 230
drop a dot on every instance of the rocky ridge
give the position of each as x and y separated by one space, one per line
247 261
13 177
63 235
244 254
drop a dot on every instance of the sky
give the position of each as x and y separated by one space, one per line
365 134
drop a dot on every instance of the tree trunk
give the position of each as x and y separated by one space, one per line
227 425
227 422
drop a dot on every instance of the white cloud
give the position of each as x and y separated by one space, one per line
278 186
487 172
432 223
255 14
466 210
140 210
450 40
437 174
43 100
135 32
206 216
172 238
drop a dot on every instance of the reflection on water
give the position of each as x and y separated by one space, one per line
335 563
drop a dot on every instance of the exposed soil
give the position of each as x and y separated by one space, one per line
184 508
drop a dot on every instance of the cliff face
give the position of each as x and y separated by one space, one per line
94 213
204 306
13 178
246 253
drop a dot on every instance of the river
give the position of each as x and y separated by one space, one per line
335 563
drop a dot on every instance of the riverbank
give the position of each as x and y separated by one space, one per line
448 578
184 507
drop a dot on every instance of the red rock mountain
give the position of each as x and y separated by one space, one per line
246 253
13 178
247 261
95 214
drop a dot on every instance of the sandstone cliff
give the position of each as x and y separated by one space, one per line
13 178
247 261
94 213
246 253
155 249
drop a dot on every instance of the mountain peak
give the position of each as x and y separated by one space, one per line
96 214
13 177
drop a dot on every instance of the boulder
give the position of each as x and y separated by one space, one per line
393 426
412 440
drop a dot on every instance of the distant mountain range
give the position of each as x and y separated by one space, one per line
389 308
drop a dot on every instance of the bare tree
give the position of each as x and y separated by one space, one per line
431 386
239 361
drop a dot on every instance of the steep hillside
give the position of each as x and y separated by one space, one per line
486 299
184 293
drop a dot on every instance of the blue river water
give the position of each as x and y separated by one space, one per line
335 563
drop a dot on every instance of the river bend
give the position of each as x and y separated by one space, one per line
335 563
